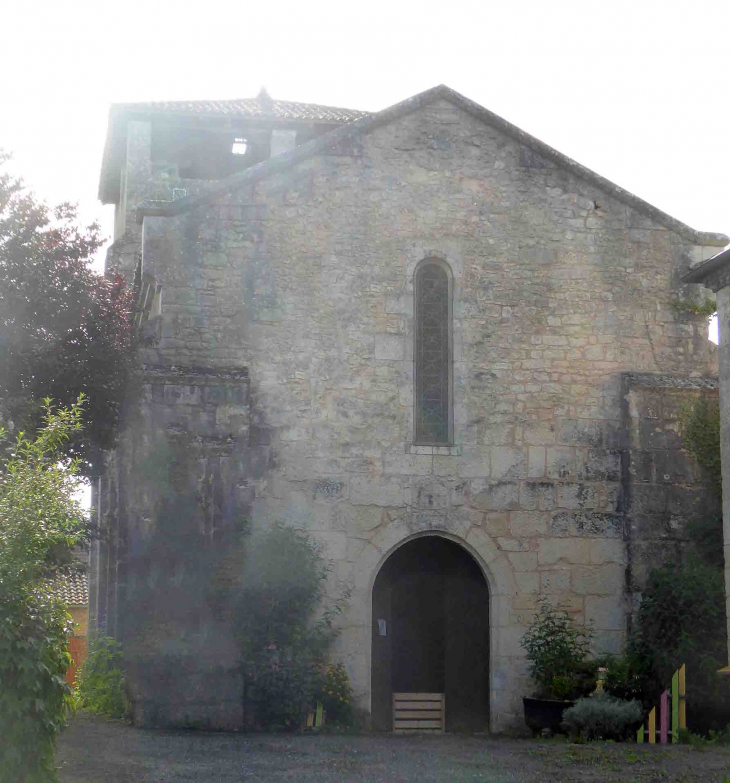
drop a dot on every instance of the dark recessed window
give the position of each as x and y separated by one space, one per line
432 355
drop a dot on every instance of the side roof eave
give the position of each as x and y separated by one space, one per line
365 125
708 271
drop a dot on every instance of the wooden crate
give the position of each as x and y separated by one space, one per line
419 712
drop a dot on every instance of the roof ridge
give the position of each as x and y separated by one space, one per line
263 99
368 122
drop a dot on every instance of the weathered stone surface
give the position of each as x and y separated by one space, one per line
495 496
536 462
528 523
577 496
563 463
586 523
605 613
306 278
508 462
365 491
567 550
598 580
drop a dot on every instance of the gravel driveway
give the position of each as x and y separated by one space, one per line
96 750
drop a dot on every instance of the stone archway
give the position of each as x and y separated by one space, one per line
368 554
431 631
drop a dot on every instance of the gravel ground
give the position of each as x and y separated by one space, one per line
96 749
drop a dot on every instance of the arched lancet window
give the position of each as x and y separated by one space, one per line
432 355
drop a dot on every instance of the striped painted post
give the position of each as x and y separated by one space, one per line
663 704
652 726
682 697
675 707
679 712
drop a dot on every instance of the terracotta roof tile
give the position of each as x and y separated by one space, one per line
260 107
72 588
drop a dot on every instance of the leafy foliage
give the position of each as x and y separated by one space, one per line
708 308
715 737
100 682
603 717
625 677
285 632
336 696
701 434
682 620
39 524
557 650
64 330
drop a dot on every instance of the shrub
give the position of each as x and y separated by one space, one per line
623 678
687 737
682 620
602 717
286 624
100 682
34 697
557 650
336 696
39 524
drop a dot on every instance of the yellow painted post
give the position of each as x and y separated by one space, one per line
675 707
318 715
652 726
640 735
682 697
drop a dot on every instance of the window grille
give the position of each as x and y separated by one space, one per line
432 359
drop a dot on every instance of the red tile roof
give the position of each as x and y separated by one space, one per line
260 107
72 588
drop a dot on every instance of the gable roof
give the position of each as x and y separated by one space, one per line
370 122
262 108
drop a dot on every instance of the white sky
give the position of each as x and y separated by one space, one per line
638 91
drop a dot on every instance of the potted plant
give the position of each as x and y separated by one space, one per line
557 650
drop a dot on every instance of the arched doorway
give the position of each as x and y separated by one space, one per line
431 632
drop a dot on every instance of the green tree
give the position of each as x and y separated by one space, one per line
40 523
64 330
286 623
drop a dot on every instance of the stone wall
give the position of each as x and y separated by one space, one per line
173 502
663 486
306 278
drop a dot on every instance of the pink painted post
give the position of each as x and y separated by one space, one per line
663 718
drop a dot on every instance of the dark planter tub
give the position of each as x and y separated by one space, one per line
544 714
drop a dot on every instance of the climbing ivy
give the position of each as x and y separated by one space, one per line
701 433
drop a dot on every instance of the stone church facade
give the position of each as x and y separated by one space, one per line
450 353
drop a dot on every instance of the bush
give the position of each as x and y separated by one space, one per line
687 737
682 620
100 682
336 696
603 717
285 624
34 697
623 678
39 525
557 650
